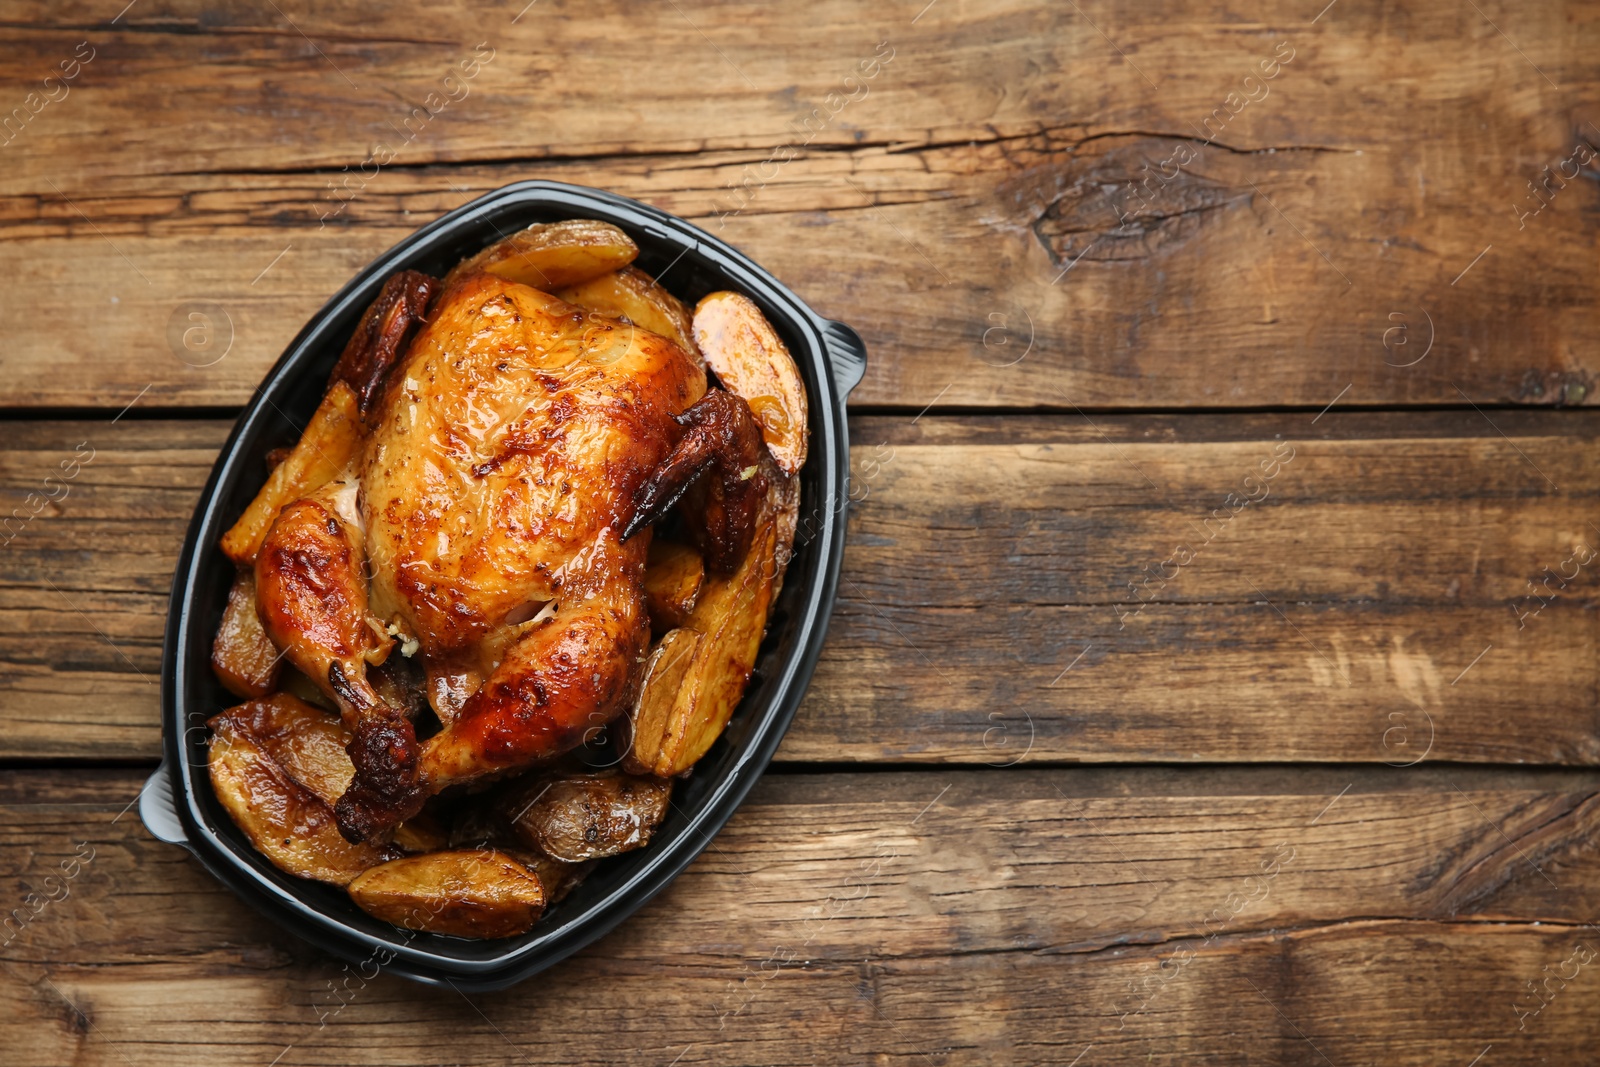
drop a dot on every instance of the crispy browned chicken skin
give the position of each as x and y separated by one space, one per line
508 452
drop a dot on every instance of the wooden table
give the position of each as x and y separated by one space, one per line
1214 675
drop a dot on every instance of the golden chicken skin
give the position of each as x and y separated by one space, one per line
492 525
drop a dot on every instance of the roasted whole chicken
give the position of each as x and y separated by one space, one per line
522 514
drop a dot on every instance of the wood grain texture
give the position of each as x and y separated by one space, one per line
970 204
1079 211
1013 590
966 917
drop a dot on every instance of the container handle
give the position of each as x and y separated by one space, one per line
158 811
847 354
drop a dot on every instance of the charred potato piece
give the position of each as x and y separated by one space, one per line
553 255
285 820
587 816
244 658
328 444
699 696
673 574
633 295
749 358
467 893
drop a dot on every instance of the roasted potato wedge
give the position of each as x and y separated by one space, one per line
553 255
747 356
288 822
307 742
480 825
467 893
645 729
325 448
579 817
700 696
633 295
673 574
244 658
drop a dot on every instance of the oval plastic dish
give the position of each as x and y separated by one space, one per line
178 805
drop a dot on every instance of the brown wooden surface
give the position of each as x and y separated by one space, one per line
200 144
899 916
1018 812
985 557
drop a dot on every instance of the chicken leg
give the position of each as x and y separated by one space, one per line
563 676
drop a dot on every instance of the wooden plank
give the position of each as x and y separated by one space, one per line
966 917
83 634
986 614
971 206
291 87
1381 581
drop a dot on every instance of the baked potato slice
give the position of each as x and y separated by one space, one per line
633 295
692 690
244 658
326 447
747 356
287 821
673 575
464 892
579 817
553 255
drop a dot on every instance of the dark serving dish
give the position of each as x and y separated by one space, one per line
178 805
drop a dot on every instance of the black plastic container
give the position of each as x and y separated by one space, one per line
178 805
